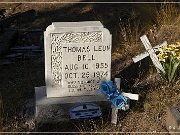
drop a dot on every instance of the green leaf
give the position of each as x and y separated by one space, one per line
175 66
170 68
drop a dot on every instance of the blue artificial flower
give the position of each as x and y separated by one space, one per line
112 93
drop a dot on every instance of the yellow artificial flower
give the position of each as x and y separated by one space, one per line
178 43
169 50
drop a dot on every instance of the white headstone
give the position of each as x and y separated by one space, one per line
77 57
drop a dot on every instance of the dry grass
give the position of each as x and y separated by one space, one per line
167 21
130 33
91 125
164 26
167 14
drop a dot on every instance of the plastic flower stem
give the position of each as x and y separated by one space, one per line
170 69
176 64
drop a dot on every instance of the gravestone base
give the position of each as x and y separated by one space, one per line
173 120
52 110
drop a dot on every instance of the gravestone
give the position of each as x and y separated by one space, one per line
173 119
77 57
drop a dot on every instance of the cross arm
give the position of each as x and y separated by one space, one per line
145 54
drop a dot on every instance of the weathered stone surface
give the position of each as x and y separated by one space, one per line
77 57
173 119
49 110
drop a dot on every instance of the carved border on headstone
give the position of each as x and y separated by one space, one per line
57 39
56 59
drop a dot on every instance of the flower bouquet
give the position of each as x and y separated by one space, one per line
169 56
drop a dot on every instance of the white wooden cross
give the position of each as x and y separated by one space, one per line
131 96
150 52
